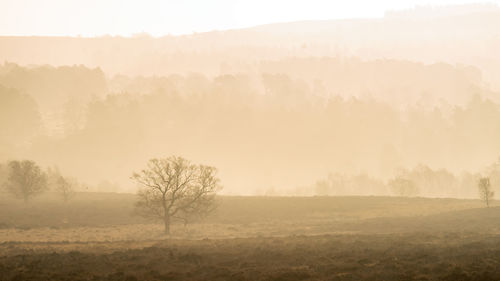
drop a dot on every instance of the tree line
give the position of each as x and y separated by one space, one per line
418 181
251 124
170 189
25 180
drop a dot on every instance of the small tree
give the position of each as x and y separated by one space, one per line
485 192
174 189
25 179
322 188
403 187
63 186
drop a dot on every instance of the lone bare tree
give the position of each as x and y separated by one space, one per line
25 179
485 192
174 189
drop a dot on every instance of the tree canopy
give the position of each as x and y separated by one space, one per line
25 179
175 189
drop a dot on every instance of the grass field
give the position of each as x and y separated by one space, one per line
96 237
326 257
108 209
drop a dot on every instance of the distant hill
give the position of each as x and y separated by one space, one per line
462 34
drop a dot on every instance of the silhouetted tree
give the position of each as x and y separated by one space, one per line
174 189
485 192
60 184
25 179
65 188
322 188
403 187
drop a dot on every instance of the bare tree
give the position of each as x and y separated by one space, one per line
485 192
25 179
174 189
65 187
403 187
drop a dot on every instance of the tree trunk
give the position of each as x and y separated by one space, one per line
166 221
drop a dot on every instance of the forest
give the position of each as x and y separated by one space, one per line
262 127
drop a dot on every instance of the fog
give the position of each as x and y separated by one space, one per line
279 109
343 149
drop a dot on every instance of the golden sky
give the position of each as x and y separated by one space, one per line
157 17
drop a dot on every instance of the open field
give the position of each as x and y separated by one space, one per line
366 132
96 237
109 209
109 217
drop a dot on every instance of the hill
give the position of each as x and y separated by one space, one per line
421 35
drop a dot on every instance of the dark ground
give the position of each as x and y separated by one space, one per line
318 238
328 257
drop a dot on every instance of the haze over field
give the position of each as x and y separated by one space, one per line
249 140
282 108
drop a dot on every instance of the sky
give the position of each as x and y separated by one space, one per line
163 17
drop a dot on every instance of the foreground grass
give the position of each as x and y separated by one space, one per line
95 237
414 256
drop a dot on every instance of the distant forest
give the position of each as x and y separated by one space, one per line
284 129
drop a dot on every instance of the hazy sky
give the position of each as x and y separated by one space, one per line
157 17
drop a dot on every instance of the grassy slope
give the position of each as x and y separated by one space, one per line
322 214
447 251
